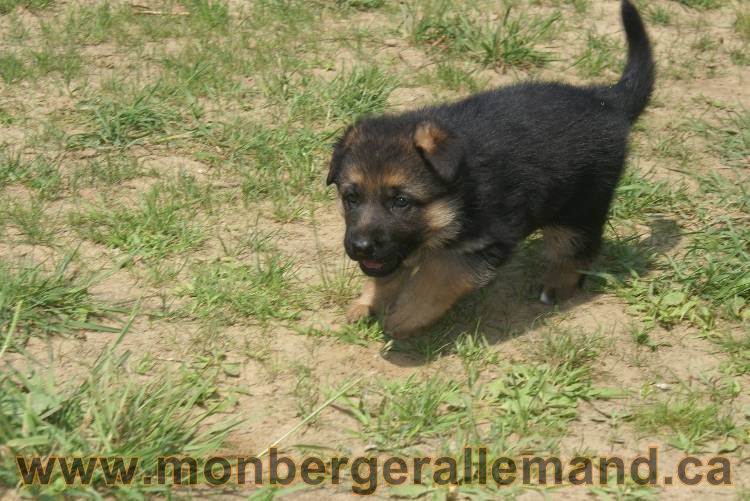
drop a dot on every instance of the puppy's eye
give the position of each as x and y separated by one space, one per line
351 198
400 202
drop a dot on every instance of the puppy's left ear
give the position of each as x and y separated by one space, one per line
339 150
441 150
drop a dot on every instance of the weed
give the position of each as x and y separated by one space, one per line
105 413
162 224
742 23
48 302
32 220
691 420
395 414
511 42
601 55
539 399
233 291
660 15
7 6
702 4
12 68
123 122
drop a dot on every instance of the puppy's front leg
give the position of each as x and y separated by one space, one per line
377 293
429 291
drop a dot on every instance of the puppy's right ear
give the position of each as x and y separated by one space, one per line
339 150
441 150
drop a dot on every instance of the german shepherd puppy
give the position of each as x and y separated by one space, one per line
436 199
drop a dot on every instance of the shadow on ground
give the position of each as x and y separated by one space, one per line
510 306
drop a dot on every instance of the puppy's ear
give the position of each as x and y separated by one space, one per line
441 150
339 151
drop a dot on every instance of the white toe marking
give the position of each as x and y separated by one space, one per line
546 299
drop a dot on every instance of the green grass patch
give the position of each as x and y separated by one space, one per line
42 302
123 121
161 224
601 54
399 413
7 6
12 68
730 138
701 4
41 173
106 412
692 420
232 291
513 41
710 279
742 23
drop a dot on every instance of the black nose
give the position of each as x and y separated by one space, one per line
362 246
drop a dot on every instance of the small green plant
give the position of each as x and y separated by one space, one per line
540 399
32 220
233 291
455 78
105 413
702 4
692 419
660 15
162 224
601 55
730 138
362 4
12 68
511 42
7 6
47 302
742 23
124 122
399 413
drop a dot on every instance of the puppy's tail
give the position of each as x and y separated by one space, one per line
637 81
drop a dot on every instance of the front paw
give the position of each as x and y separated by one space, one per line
399 323
358 311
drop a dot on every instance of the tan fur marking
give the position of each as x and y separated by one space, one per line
563 269
377 293
442 221
430 290
352 175
428 136
396 178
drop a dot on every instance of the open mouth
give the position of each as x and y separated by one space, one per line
375 268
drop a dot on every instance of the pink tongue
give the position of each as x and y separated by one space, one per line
371 264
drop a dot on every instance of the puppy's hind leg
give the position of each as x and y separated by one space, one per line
567 251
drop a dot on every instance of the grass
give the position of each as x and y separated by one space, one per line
43 302
122 123
40 173
32 220
105 412
232 290
660 15
160 225
12 68
406 411
702 4
512 41
7 6
692 420
742 23
601 54
730 137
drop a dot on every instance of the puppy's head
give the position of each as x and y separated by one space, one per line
397 180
